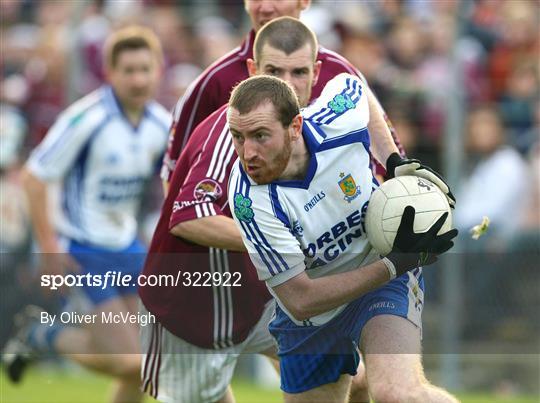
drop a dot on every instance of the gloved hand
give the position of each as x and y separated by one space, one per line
411 250
397 166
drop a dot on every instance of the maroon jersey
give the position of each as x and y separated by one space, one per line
204 315
212 89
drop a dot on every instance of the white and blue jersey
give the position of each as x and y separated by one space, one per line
102 163
316 224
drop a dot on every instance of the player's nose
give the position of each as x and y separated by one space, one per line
250 150
266 6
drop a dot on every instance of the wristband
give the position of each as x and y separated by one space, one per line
390 267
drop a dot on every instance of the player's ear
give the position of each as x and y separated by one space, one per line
296 126
252 67
316 72
304 4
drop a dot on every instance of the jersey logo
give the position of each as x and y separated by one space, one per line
348 187
207 190
341 103
242 208
297 229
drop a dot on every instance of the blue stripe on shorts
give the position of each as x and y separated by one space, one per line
312 356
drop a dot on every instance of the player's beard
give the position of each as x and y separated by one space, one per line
279 161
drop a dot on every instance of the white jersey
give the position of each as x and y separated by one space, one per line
316 224
102 163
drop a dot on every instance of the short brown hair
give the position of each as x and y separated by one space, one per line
286 34
256 90
132 37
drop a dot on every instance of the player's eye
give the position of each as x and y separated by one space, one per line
236 137
260 136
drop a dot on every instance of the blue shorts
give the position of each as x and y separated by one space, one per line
99 261
311 356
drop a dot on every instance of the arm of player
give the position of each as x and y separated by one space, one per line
383 144
37 194
53 261
214 231
50 161
304 297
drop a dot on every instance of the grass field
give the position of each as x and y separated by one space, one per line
83 387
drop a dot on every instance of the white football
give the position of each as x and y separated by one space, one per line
388 202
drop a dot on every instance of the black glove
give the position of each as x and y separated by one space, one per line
411 250
397 166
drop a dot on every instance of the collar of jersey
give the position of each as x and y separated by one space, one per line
313 136
114 107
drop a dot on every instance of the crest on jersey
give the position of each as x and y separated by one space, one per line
348 187
242 208
207 190
297 229
341 103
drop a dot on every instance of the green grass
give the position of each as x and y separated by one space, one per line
68 386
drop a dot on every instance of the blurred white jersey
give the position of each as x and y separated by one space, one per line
102 163
315 224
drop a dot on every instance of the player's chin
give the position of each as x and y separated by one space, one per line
260 179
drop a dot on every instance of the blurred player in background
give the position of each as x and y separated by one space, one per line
298 193
202 330
101 150
212 89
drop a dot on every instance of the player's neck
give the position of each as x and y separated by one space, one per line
134 115
298 162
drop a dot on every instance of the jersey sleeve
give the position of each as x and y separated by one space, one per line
56 154
273 249
334 64
342 107
198 102
204 191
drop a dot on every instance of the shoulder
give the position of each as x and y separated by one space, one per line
226 68
341 109
87 113
214 83
159 114
212 130
87 107
337 95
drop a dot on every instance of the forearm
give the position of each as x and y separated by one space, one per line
305 297
381 138
214 232
37 194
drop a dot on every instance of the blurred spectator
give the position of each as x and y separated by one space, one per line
177 80
178 40
517 103
435 74
216 38
92 32
530 222
498 180
484 21
519 42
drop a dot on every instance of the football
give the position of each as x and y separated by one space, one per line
387 203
